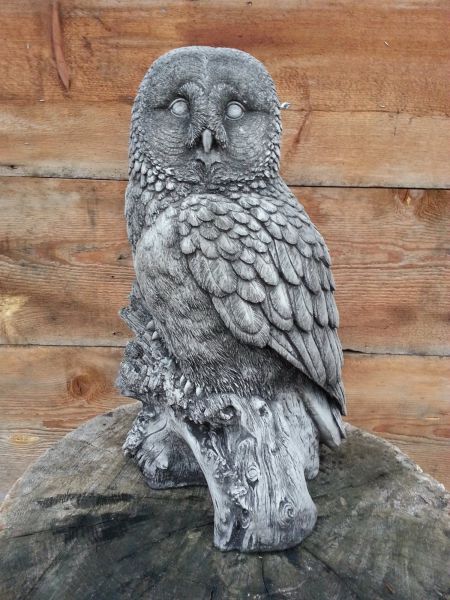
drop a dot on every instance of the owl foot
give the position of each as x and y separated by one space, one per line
151 329
201 406
187 387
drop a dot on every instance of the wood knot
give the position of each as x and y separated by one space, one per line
253 473
286 512
86 385
259 405
78 385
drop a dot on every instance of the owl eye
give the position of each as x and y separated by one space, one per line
234 110
179 107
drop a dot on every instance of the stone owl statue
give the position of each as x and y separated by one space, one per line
236 359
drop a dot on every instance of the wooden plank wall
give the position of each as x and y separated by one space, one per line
366 147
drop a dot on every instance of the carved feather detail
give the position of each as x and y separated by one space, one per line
244 320
267 271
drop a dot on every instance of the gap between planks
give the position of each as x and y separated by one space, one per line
122 346
306 184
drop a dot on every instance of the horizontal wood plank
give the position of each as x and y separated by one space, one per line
47 392
318 148
366 82
65 264
324 55
405 400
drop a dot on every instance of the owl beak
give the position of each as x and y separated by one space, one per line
207 140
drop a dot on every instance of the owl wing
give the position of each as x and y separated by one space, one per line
267 270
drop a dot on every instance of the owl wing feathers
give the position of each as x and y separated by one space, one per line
267 270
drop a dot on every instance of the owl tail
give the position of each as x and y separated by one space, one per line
325 414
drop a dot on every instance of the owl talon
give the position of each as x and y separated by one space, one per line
155 336
162 462
188 387
198 391
150 325
227 413
182 381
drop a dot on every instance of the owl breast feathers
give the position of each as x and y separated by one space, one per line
267 271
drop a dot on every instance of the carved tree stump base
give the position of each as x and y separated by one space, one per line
82 523
254 465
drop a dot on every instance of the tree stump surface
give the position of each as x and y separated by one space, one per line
82 524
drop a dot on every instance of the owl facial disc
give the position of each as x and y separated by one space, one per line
208 115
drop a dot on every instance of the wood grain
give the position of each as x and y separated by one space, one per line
49 391
405 400
366 82
348 56
65 265
65 262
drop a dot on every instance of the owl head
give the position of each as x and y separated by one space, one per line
207 115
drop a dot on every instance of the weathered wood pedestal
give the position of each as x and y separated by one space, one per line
82 524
